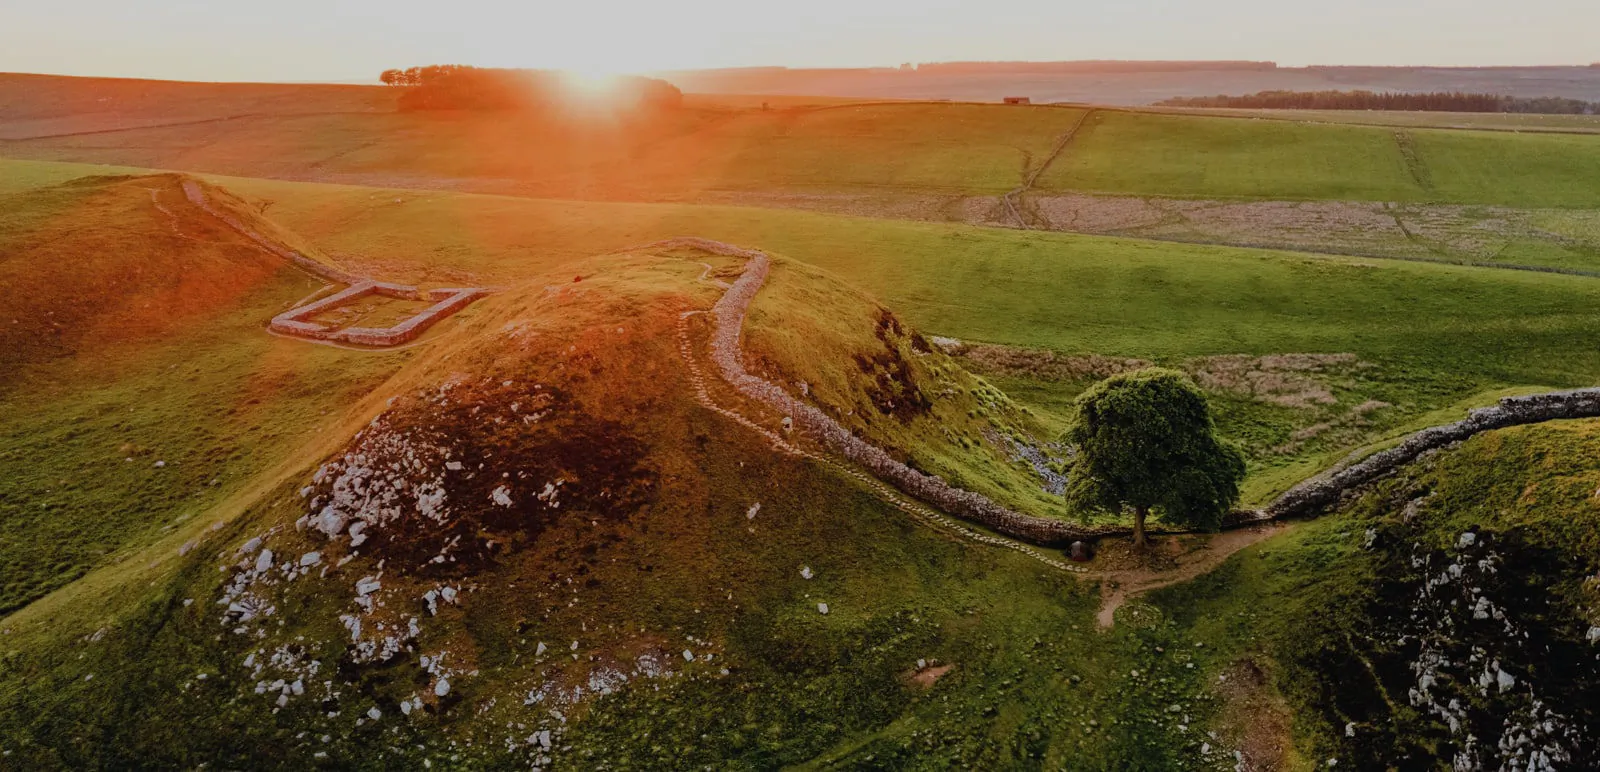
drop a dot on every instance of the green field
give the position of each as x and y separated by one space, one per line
955 149
1558 124
1186 156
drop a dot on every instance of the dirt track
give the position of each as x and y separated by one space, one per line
1118 586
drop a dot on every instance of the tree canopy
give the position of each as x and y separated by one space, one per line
463 87
1145 440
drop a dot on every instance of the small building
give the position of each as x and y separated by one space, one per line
1017 101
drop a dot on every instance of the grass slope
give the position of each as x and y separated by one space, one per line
106 261
138 386
874 149
648 550
1186 156
1427 336
1324 613
952 148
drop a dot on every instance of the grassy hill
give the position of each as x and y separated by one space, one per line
568 560
139 388
55 105
148 265
350 134
1352 617
557 568
547 552
1419 337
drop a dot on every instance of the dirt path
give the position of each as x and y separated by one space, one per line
1121 585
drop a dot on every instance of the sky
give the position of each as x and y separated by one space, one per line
353 40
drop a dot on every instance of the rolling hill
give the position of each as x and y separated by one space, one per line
709 479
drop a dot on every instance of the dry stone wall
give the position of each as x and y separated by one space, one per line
729 314
1306 498
1326 489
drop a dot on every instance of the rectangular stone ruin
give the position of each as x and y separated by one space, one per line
446 301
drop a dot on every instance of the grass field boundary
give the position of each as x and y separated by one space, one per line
195 122
1013 197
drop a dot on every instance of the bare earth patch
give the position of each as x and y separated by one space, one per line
1125 574
928 676
1291 380
1255 720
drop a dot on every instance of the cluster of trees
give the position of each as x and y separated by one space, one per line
416 76
1091 66
463 87
1439 101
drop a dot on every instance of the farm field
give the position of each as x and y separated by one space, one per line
1196 157
731 145
571 526
1514 122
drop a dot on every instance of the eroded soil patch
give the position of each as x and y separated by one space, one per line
1126 574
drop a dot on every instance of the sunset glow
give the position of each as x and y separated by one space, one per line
300 40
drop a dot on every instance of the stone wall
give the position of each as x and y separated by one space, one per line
729 314
1306 498
1326 489
297 321
196 195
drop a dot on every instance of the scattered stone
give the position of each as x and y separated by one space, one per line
442 688
822 608
750 514
805 572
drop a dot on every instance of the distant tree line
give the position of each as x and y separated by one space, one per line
1090 66
1438 101
463 87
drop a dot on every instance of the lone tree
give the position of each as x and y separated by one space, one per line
1145 441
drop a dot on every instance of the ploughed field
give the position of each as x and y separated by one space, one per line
569 552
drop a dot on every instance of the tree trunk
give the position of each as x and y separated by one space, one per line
1139 514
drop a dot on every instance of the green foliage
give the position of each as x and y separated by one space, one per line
1145 440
